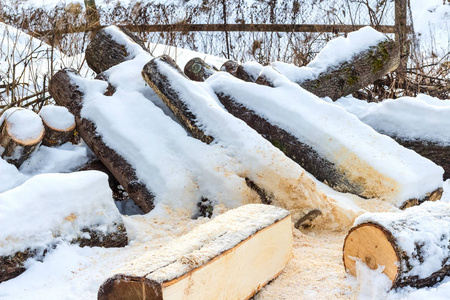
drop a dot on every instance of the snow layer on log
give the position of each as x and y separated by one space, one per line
422 234
15 122
204 243
336 51
377 162
55 207
179 170
10 176
57 117
421 118
287 183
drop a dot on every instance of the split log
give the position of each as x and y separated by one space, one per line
86 216
111 46
21 132
413 245
59 125
344 170
68 94
231 257
236 70
197 70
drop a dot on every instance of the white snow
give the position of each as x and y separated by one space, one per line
335 52
57 117
55 206
336 134
10 177
421 118
22 124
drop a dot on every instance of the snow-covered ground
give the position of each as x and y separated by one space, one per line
316 270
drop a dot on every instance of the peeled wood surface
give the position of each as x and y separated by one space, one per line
56 137
375 246
67 94
104 52
350 76
237 273
16 151
372 245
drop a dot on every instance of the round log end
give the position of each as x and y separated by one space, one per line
122 286
372 245
24 127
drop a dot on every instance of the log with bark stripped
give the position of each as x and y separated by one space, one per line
21 132
231 257
109 48
59 125
67 93
412 246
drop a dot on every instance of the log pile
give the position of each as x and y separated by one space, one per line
411 246
230 257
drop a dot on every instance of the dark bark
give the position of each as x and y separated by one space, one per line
197 70
236 70
13 265
56 137
67 94
439 154
104 52
170 96
350 76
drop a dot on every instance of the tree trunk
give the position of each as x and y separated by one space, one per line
350 76
107 50
55 133
67 94
163 88
197 70
413 245
14 148
236 70
242 253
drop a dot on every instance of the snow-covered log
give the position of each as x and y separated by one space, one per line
67 93
346 65
53 208
108 48
21 132
420 123
196 69
276 179
231 257
59 125
329 142
412 246
236 70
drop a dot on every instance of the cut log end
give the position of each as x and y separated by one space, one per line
197 70
236 70
372 245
